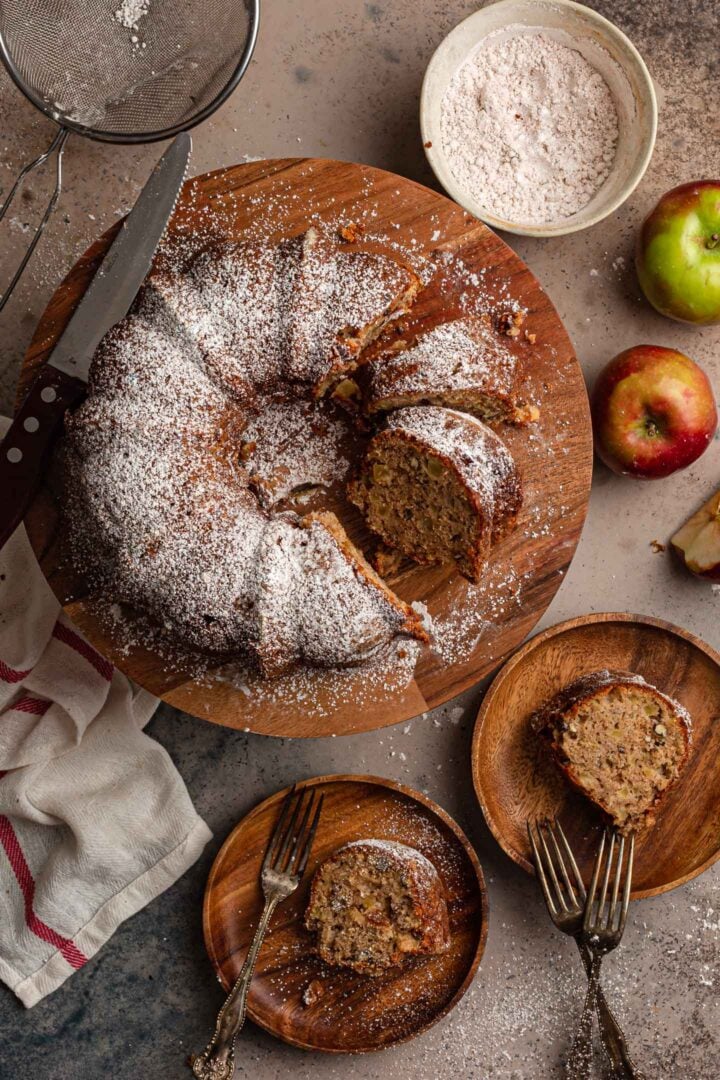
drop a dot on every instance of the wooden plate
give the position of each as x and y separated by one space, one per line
515 779
481 623
353 1013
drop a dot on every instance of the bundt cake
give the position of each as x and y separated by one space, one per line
159 509
179 505
461 364
374 904
619 741
439 486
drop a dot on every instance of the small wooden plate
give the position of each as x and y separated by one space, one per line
353 1013
516 780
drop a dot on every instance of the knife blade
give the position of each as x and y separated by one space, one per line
62 379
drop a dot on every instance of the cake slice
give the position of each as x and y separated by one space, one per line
317 600
461 364
340 301
375 903
619 741
439 486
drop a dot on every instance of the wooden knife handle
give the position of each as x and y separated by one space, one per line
24 450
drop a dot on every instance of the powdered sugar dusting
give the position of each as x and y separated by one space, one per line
529 127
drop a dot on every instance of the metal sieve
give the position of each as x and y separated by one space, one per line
121 71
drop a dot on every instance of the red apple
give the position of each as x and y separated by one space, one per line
678 253
653 412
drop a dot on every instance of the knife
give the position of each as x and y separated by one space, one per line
62 380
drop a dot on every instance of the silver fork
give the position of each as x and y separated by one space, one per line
284 864
566 906
603 925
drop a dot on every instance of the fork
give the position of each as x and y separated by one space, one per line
284 864
566 907
603 926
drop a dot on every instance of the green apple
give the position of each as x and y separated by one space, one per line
678 253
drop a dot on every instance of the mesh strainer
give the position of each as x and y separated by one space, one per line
121 71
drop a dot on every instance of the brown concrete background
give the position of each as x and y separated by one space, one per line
342 80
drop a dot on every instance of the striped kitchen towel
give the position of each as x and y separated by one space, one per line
95 820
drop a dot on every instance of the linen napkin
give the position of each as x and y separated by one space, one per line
95 820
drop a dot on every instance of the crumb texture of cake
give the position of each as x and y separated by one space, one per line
618 740
375 903
461 364
439 486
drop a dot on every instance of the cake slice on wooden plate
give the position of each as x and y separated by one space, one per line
619 741
376 903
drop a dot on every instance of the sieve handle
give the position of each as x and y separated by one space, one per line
56 147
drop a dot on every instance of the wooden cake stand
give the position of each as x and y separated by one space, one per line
480 624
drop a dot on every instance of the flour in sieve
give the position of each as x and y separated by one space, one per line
529 128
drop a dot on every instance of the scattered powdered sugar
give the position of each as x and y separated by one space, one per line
128 15
529 128
130 12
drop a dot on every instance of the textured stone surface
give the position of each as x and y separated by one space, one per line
342 79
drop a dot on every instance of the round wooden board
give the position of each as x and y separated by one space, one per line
516 780
353 1013
482 623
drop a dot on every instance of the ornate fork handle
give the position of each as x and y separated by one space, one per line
579 1061
217 1061
612 1035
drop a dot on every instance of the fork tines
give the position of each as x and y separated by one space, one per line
551 858
614 861
290 845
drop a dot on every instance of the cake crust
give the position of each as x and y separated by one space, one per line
461 364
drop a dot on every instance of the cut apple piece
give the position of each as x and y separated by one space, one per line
698 541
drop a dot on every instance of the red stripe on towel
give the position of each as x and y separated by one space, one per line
17 860
69 637
8 674
34 705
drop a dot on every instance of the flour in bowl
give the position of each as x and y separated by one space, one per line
529 128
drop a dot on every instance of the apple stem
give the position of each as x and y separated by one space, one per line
713 241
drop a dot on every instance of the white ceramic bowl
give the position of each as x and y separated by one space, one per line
604 46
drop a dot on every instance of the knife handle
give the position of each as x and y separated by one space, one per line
24 450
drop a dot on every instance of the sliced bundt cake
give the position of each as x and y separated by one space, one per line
374 904
439 486
619 741
461 364
342 299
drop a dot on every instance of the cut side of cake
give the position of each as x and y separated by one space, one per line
439 486
375 903
619 741
342 300
461 364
